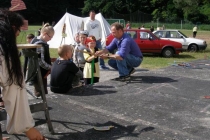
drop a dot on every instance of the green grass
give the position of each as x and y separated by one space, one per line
150 61
21 39
154 62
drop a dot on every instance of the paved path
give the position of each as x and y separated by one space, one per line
164 104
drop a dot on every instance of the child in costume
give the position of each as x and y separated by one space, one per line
91 69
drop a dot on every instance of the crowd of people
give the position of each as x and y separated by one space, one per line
78 64
84 59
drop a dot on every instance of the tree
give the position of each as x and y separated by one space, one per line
102 6
205 10
191 9
108 6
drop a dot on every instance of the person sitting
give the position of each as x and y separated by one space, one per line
64 73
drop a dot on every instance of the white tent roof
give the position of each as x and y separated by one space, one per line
73 25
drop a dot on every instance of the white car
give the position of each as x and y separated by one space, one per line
190 44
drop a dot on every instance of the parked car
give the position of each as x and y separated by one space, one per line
190 44
149 43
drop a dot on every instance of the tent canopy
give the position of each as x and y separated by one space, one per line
73 24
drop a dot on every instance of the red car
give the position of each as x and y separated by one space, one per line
150 43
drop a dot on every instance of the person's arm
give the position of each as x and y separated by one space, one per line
88 57
121 53
124 49
114 56
101 52
111 47
41 60
73 68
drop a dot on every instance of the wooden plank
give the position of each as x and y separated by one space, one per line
28 46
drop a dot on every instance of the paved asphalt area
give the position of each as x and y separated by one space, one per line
162 104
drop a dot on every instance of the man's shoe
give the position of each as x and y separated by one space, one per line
123 78
132 71
103 67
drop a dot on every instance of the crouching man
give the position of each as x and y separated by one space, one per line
127 56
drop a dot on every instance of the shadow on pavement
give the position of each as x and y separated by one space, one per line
89 90
151 79
116 132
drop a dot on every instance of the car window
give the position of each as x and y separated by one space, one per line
132 34
167 34
161 34
144 35
175 34
182 34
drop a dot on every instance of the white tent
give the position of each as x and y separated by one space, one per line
73 25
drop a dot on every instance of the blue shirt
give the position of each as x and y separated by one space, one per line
126 45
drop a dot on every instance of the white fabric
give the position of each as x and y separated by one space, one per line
94 28
73 25
19 117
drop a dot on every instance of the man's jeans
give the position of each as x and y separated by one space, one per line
125 66
98 45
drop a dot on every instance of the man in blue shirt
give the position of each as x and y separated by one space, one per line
127 56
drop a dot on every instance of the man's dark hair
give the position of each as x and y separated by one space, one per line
117 26
30 36
93 11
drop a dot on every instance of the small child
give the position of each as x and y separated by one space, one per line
78 57
64 73
29 37
91 69
44 60
76 39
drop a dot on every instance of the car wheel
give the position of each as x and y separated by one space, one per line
168 52
193 48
